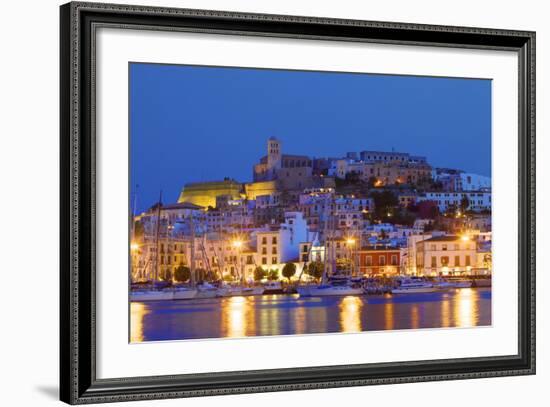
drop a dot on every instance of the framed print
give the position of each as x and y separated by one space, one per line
255 203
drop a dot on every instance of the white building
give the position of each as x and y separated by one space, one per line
474 182
279 245
477 200
446 255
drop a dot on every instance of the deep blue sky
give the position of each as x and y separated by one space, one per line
206 123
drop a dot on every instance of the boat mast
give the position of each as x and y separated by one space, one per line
156 275
192 268
325 238
134 268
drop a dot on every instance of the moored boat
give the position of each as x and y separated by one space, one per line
246 291
184 293
413 286
462 283
325 290
273 287
151 295
206 290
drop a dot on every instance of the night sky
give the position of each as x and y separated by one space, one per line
206 123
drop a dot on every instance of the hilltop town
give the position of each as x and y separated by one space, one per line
366 214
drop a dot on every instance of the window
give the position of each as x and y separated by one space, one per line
368 260
394 260
457 261
304 257
274 250
381 260
264 250
467 260
274 260
264 260
432 247
444 247
444 261
264 240
457 246
434 261
304 249
274 239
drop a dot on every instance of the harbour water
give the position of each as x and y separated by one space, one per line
233 317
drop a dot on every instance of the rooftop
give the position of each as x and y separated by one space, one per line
447 238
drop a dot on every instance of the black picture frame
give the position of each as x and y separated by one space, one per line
78 382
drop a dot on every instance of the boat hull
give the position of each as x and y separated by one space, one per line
414 290
184 294
252 291
329 291
206 294
463 284
151 295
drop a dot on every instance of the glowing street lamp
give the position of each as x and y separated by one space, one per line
465 238
237 244
350 241
134 246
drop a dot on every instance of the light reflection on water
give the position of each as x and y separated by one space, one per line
235 317
350 314
138 311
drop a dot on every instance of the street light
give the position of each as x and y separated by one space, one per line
350 241
134 247
237 244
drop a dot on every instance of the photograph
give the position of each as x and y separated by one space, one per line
290 202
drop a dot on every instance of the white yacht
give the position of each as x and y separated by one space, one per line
184 293
237 290
304 290
206 290
413 286
325 290
140 295
336 286
252 290
442 284
462 283
273 287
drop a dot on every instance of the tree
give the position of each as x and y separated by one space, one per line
289 270
182 274
464 203
259 274
273 275
315 270
384 202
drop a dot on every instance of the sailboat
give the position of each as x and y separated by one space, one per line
153 292
330 286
